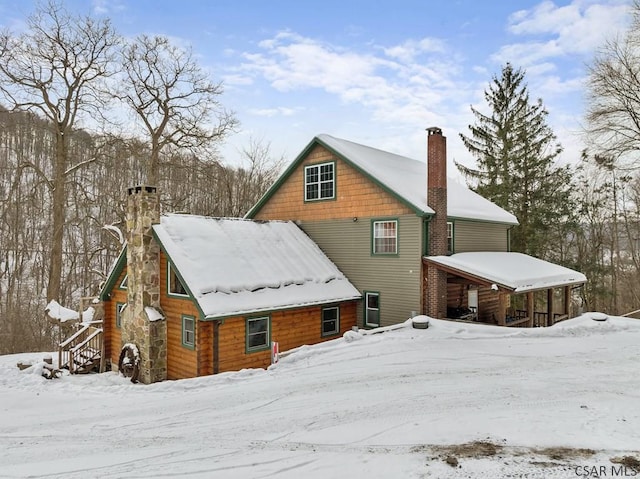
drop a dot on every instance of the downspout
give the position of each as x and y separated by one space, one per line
216 347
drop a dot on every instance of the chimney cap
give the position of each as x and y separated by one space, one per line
434 130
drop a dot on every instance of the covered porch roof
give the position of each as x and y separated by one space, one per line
515 272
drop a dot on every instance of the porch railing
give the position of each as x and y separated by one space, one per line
83 350
539 317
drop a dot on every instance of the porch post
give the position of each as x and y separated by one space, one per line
530 308
567 301
549 307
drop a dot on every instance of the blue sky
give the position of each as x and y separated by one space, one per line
377 73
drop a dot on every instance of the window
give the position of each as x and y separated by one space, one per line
257 331
449 237
330 321
372 309
319 182
385 237
188 331
125 282
119 311
175 286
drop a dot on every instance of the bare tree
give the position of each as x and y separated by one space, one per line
174 101
613 115
244 185
54 69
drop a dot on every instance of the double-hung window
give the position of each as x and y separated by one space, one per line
319 182
188 331
257 334
330 321
450 243
385 237
372 309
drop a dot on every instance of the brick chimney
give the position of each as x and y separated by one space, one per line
143 287
436 280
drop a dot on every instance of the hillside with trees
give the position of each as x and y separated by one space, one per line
66 158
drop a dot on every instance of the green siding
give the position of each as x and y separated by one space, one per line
477 236
397 277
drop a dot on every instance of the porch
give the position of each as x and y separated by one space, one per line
507 289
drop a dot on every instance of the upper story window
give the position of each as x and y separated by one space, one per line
385 237
319 182
175 286
449 237
125 282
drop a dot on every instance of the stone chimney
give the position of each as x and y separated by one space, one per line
436 280
143 287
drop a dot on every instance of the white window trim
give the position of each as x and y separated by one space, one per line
120 307
367 308
374 237
450 239
125 282
322 321
320 182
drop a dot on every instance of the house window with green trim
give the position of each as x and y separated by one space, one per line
319 182
372 309
257 333
188 331
385 237
450 243
119 311
175 286
330 321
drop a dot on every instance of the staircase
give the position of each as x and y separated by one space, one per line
83 352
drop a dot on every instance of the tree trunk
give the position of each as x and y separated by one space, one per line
58 218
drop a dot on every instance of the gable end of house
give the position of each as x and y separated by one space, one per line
255 210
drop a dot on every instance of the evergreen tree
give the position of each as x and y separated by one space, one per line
515 153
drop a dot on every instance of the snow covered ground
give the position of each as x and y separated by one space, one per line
549 403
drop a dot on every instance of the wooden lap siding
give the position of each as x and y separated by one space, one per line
204 340
291 328
182 362
112 333
356 195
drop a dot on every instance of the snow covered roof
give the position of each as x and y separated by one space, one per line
406 179
515 271
234 266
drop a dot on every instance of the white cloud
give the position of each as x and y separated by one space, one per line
412 48
553 31
388 80
391 92
105 7
271 112
236 80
